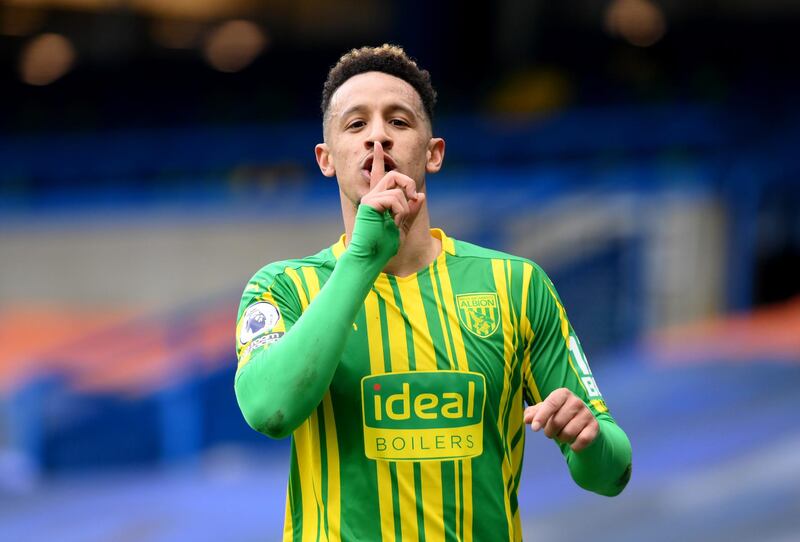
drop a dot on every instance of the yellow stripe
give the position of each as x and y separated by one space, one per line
515 413
517 526
314 454
432 497
425 359
304 465
333 506
466 469
452 315
440 310
301 293
562 314
334 488
302 441
457 487
398 349
408 501
515 423
524 319
443 321
398 353
310 275
499 273
288 527
463 365
308 445
528 336
339 247
424 354
375 344
599 405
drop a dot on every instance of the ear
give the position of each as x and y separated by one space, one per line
435 155
324 160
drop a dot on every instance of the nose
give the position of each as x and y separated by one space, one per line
378 133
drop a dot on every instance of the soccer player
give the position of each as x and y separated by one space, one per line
400 359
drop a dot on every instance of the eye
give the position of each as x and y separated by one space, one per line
355 125
398 122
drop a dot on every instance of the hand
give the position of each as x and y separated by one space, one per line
565 418
393 191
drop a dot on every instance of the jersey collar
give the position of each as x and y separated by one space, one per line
448 245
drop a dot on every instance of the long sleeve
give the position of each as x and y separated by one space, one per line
285 371
604 466
558 361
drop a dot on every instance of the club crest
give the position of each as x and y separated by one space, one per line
479 313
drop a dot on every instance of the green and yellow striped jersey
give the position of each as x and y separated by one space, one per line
420 436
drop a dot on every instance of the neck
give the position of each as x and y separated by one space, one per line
418 248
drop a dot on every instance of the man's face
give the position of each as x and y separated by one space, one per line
370 107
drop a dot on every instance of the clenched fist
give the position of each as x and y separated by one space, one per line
565 418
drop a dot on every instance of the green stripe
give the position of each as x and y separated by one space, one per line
517 437
358 494
460 475
412 362
302 277
420 502
398 534
387 352
449 500
296 493
514 351
446 319
318 523
323 459
514 501
434 323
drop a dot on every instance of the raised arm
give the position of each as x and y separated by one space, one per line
283 379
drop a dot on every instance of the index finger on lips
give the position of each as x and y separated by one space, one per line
378 169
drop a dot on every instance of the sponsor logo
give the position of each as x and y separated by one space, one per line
423 415
257 320
479 313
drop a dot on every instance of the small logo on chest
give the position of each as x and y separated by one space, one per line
479 313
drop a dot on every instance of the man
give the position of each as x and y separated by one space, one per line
399 358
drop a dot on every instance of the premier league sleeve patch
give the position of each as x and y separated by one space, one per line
257 320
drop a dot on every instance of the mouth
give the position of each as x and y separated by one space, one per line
388 164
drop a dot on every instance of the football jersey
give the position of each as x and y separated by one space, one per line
420 435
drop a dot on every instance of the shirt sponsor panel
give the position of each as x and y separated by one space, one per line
423 415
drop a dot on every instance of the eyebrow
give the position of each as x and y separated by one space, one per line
393 107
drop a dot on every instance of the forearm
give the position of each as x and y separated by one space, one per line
281 385
604 466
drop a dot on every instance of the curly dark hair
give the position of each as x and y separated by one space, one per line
391 59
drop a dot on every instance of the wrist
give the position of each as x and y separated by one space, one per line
375 237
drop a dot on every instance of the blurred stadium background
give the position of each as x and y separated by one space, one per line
155 153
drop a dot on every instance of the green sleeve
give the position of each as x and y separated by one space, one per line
605 465
558 361
282 381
